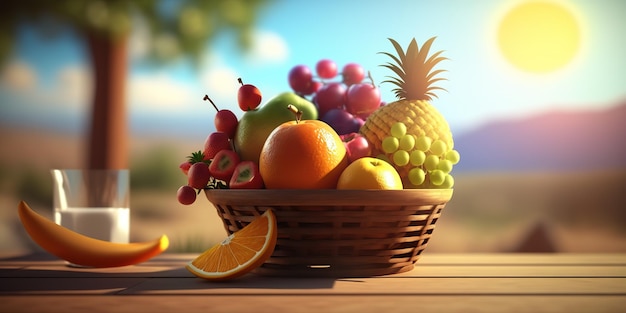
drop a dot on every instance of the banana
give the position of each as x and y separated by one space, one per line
82 250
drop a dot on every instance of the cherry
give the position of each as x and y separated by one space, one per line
186 195
225 120
248 96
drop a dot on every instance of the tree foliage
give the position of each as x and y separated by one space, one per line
176 27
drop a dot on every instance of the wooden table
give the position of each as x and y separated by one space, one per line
439 283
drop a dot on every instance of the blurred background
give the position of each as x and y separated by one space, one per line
535 97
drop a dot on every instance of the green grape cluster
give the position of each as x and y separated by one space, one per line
429 162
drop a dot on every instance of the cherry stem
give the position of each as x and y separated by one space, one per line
240 81
206 97
369 75
296 112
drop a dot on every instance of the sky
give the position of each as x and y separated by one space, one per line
47 84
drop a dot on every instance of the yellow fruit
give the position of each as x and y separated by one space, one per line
369 173
415 79
240 253
82 250
420 117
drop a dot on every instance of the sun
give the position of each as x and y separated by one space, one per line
539 36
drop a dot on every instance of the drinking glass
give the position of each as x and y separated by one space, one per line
93 202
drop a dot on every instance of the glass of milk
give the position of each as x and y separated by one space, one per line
93 202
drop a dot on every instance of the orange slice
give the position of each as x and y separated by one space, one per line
240 252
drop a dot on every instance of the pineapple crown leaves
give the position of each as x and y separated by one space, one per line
415 77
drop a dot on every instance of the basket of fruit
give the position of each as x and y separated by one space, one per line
353 185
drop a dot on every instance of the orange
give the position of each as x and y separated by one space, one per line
369 173
302 155
239 253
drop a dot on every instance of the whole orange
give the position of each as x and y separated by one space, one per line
304 154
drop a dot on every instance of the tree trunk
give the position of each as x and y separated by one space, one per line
108 138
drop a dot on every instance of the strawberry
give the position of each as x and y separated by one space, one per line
193 158
246 176
223 164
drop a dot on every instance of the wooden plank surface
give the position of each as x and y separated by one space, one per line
319 304
439 283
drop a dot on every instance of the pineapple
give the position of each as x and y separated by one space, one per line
414 80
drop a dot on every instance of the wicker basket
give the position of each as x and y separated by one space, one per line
338 233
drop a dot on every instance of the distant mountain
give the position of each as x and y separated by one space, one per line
578 140
581 140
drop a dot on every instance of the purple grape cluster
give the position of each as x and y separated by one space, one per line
343 99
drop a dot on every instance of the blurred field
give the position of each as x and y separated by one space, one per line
582 211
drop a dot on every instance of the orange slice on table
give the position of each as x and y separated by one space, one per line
239 253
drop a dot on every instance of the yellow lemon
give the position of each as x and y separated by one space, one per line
369 173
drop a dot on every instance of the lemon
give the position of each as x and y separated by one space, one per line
370 173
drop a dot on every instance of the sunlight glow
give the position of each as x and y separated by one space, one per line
539 36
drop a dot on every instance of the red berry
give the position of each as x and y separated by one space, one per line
185 167
199 175
248 97
330 96
362 99
226 121
223 164
353 74
326 69
314 87
300 79
186 195
246 176
215 142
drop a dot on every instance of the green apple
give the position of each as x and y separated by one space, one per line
256 125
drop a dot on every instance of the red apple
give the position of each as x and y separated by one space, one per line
223 164
362 99
356 145
249 96
246 176
215 142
